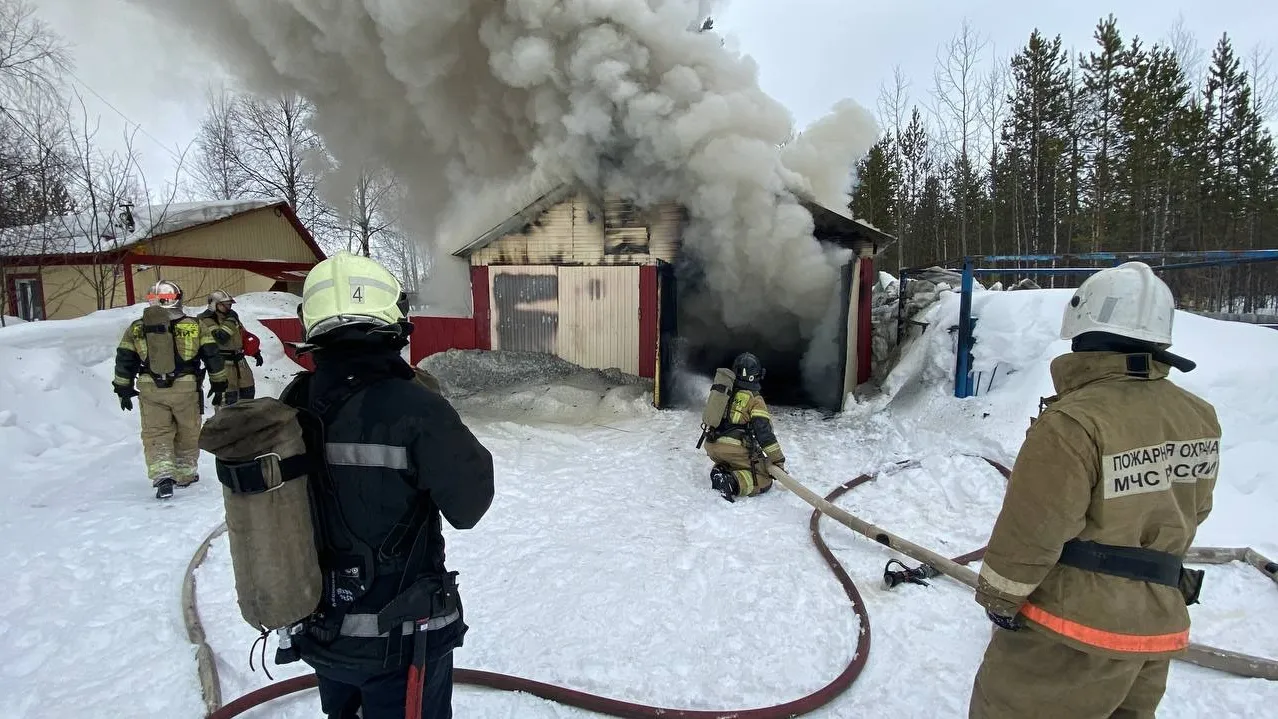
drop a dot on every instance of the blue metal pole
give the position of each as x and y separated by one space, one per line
962 368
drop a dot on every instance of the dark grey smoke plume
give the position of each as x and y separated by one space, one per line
479 105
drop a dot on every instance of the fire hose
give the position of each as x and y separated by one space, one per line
933 565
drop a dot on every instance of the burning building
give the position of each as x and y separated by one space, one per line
598 281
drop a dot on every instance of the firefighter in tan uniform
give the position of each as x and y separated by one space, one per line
234 343
744 444
1084 576
164 352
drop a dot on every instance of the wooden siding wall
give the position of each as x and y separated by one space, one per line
599 317
592 316
263 234
196 282
67 290
579 232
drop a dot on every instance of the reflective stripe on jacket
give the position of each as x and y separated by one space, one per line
192 343
1119 458
748 414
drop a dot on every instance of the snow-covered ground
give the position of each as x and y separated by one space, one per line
606 564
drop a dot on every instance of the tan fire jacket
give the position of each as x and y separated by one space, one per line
1114 458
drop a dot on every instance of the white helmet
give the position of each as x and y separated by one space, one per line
165 294
220 297
1128 300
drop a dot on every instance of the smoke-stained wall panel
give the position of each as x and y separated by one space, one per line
666 232
524 308
576 232
599 317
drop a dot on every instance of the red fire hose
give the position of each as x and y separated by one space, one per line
618 708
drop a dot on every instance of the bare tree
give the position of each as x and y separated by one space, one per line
218 172
32 60
273 142
993 108
894 101
107 187
368 217
1263 81
956 91
32 56
1189 54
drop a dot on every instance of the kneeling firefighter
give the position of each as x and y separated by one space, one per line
1083 577
345 478
234 344
737 431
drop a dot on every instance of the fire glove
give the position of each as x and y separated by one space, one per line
1011 624
258 359
217 391
126 395
221 335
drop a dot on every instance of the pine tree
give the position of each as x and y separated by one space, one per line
878 184
916 166
1102 71
1037 132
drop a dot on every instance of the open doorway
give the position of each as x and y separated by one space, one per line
688 358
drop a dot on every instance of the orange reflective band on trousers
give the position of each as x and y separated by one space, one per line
1136 643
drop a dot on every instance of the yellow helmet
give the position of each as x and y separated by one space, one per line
346 290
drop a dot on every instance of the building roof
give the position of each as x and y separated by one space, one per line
89 234
830 225
844 230
525 216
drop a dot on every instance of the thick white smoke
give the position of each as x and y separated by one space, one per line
477 105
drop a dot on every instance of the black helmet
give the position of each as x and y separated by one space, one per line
748 370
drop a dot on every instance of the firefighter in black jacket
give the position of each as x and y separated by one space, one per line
397 456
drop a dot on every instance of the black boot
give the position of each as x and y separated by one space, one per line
723 482
164 488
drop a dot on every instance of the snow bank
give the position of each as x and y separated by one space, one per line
12 321
264 305
535 387
90 616
1016 340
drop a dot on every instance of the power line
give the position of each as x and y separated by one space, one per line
126 118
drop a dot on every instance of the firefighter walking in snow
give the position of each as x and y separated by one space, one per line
395 455
1084 576
234 344
738 428
163 352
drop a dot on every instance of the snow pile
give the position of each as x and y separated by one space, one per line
534 387
11 321
1017 336
264 305
90 615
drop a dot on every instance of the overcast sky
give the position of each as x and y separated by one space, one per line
811 53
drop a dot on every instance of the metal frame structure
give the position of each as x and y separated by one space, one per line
1158 261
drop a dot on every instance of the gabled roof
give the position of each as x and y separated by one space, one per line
830 225
525 216
88 233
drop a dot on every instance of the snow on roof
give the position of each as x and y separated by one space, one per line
87 232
